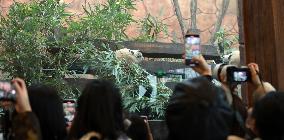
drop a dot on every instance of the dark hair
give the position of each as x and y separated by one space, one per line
47 105
269 116
138 129
198 110
99 108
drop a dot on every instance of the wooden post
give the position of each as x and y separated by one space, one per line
278 14
264 36
242 47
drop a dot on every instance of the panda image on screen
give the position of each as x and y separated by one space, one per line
192 48
69 107
240 76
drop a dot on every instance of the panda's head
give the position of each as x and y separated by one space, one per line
132 56
137 54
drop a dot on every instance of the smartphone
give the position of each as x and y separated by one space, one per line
69 107
192 48
238 75
7 91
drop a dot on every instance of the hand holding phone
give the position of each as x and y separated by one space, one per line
202 68
22 98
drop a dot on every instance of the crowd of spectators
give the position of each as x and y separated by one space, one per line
197 110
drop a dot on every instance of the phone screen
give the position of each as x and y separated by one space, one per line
240 76
69 107
7 91
192 48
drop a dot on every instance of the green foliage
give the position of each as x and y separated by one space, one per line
159 103
128 77
151 28
224 40
39 43
105 21
31 43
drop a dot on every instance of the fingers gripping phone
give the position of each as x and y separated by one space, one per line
192 48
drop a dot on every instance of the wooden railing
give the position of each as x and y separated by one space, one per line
167 50
157 51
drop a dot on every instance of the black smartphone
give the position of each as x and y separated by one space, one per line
69 107
238 75
192 48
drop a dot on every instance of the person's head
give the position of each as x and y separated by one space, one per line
47 105
99 109
268 113
137 129
198 110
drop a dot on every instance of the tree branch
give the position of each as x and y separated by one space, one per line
221 15
179 16
193 9
145 7
199 11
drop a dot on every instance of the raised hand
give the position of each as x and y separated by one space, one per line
22 99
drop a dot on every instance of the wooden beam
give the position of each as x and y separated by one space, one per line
159 49
154 66
168 50
79 83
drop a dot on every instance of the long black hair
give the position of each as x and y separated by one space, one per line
99 108
47 105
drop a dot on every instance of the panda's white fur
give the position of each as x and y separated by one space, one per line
131 56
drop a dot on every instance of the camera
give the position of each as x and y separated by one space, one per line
238 75
233 73
7 91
